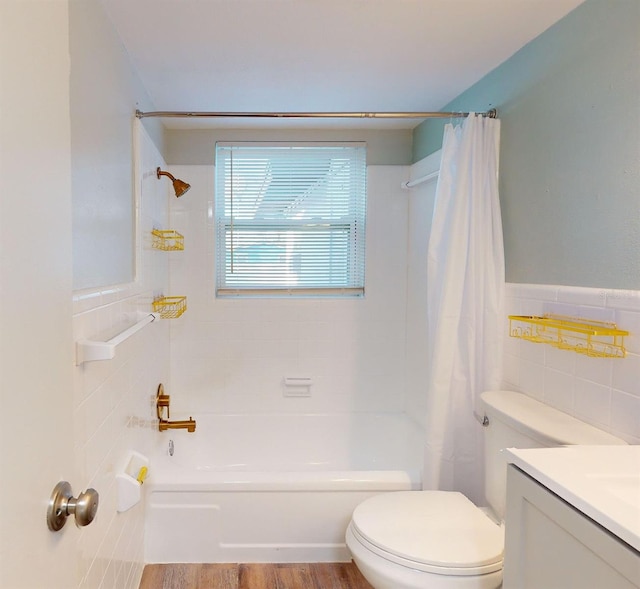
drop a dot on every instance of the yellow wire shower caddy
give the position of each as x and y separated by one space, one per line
170 307
167 240
592 338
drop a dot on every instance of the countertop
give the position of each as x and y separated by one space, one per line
603 482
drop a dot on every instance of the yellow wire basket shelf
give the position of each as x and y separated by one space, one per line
167 240
170 307
592 338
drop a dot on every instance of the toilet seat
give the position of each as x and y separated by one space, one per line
439 532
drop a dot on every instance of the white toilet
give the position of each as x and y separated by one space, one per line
440 539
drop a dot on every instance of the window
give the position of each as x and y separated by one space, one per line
290 219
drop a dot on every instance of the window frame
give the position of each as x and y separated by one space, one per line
354 223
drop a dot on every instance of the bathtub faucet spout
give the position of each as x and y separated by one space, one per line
163 402
189 425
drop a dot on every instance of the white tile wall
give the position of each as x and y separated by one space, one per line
232 355
114 409
603 392
421 202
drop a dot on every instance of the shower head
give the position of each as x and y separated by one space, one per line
179 186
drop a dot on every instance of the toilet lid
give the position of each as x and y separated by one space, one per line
437 529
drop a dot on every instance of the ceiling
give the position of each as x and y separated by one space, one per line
321 55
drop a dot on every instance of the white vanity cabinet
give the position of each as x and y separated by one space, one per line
550 544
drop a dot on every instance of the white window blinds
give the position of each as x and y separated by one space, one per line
290 219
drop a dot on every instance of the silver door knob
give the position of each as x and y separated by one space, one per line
63 504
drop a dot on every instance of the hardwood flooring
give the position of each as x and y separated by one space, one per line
253 576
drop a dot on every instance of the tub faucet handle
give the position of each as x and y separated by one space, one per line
162 401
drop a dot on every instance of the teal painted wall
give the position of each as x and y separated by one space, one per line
569 102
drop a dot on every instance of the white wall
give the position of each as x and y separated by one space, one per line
104 93
62 422
193 146
35 291
231 355
421 202
114 409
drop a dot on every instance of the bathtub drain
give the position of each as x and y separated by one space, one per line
170 447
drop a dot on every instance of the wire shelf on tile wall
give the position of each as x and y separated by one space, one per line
170 307
592 338
167 240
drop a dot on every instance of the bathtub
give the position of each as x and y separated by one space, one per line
272 488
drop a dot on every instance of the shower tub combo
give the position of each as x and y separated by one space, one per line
273 488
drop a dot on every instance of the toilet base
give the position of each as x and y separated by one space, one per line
384 574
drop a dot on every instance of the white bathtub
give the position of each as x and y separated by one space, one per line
273 488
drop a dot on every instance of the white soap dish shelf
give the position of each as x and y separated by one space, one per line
129 480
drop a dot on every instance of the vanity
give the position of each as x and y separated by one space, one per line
573 518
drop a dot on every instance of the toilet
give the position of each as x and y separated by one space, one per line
440 539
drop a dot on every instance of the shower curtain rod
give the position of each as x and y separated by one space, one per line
311 115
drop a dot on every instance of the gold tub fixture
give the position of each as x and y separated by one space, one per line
188 424
163 402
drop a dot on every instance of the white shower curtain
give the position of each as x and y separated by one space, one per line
465 292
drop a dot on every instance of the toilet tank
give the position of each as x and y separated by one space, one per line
518 421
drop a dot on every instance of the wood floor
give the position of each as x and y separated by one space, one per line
253 576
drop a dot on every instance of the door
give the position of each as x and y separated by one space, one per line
36 393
